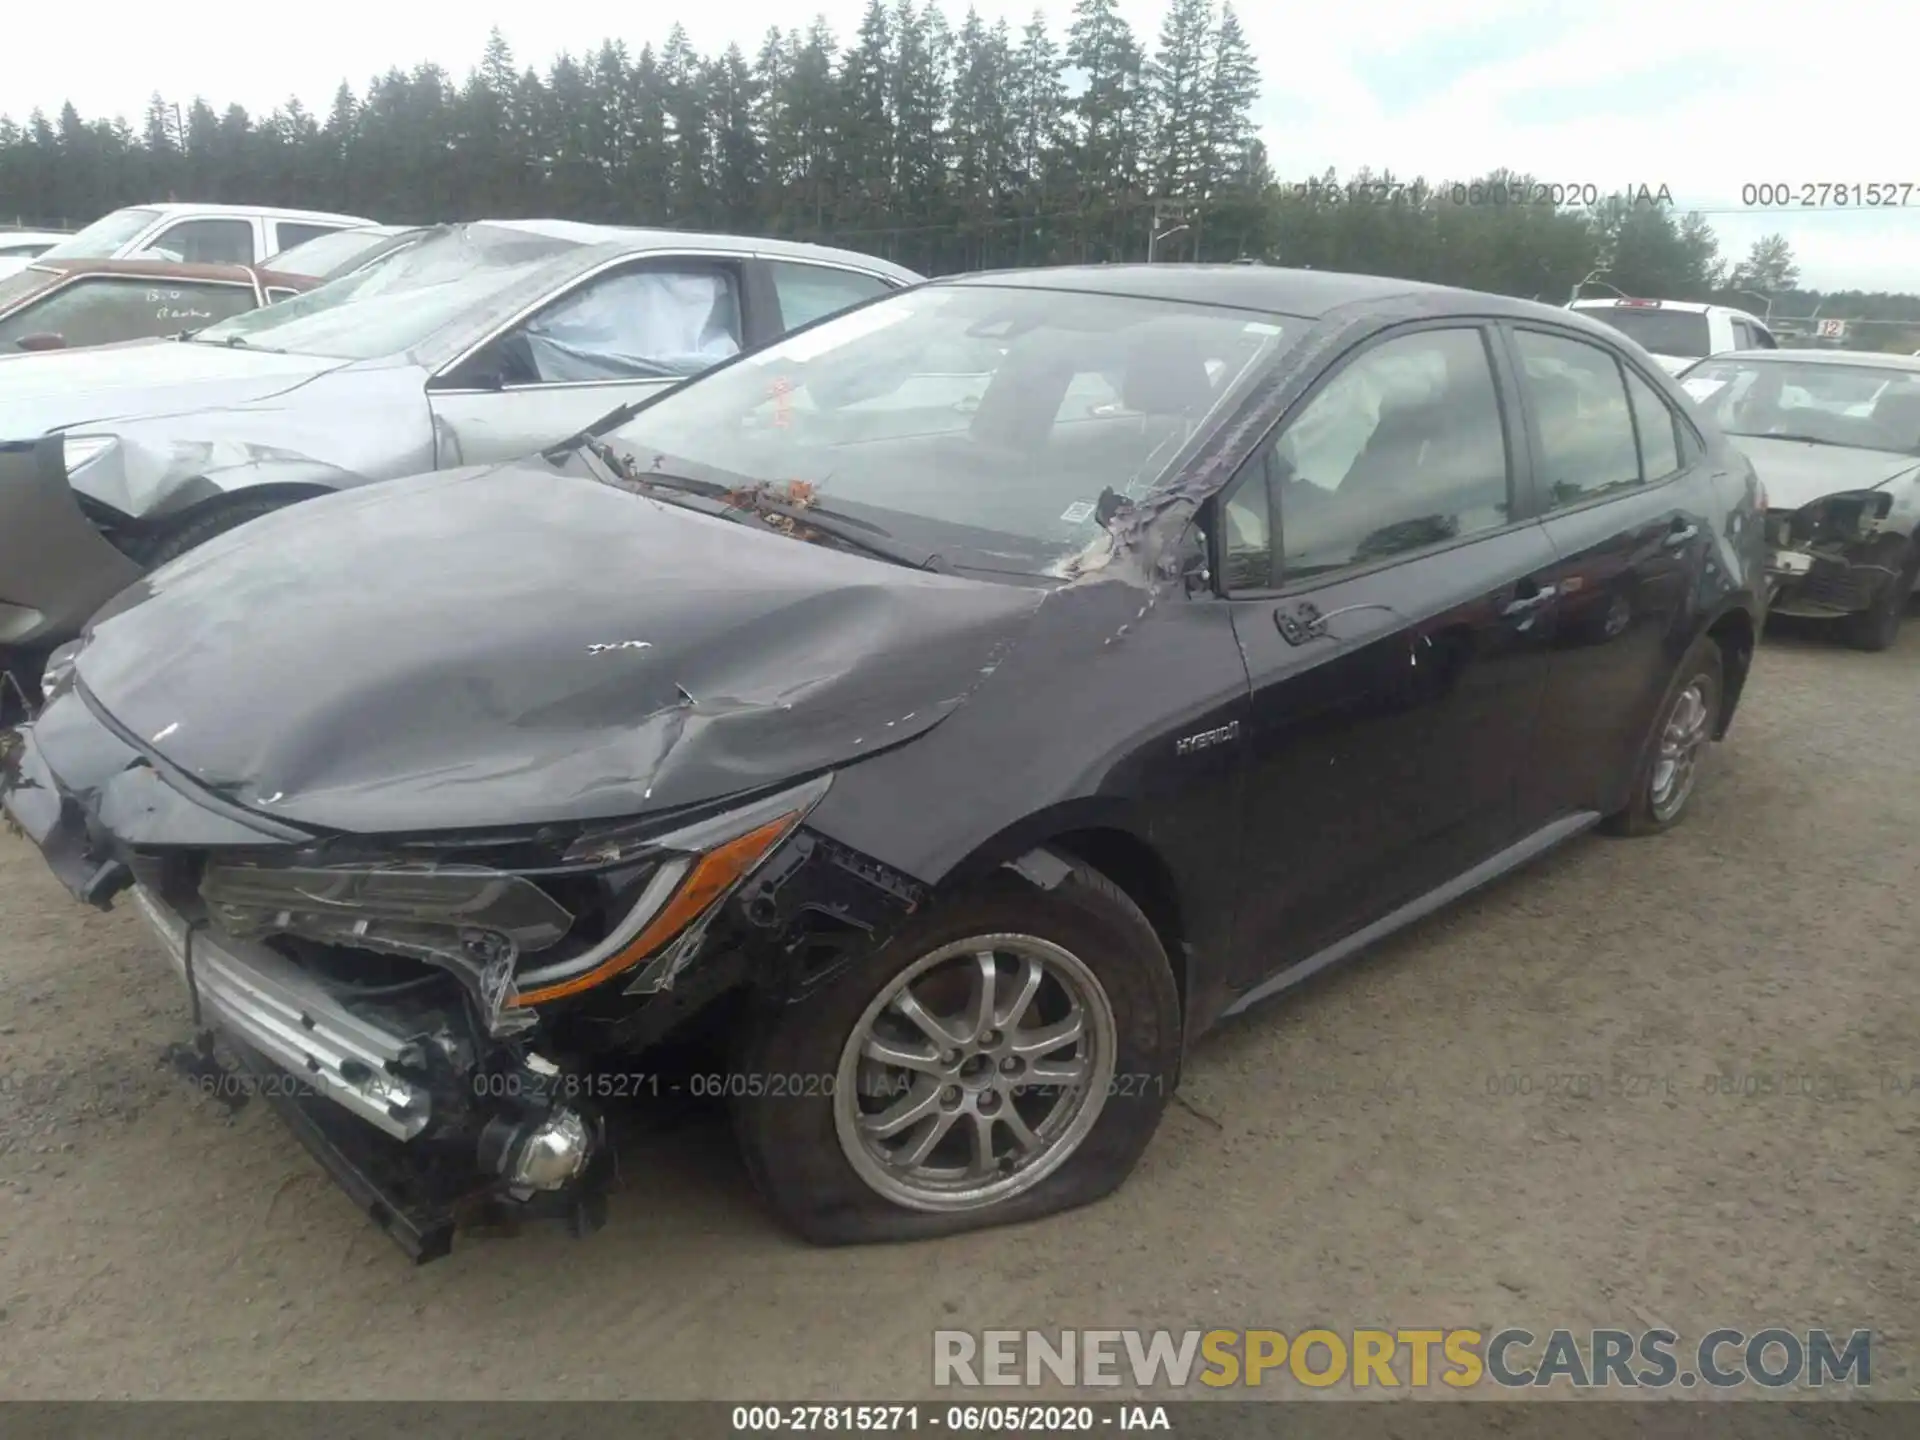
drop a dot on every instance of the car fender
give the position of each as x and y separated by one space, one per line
56 568
1077 740
287 478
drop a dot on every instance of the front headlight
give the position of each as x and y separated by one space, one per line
82 450
697 867
484 922
1849 515
415 910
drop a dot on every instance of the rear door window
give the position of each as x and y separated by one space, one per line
1579 401
808 292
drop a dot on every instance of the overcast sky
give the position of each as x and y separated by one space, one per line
1701 97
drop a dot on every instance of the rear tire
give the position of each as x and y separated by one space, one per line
176 540
1683 726
818 1157
1878 626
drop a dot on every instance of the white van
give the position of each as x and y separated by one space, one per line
1678 332
199 234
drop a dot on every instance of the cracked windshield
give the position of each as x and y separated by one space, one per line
1005 423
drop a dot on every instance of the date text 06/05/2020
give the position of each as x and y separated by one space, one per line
1478 192
625 1085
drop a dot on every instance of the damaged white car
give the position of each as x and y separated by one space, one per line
1835 437
474 344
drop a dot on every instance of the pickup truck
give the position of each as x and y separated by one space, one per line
198 234
1678 332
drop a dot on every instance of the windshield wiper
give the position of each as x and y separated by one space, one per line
762 501
860 534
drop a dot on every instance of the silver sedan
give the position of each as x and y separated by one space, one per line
478 343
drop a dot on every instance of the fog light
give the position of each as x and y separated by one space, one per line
552 1154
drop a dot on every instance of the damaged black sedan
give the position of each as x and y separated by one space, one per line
957 707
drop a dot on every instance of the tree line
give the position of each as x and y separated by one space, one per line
943 148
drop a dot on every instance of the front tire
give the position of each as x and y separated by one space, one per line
177 540
1683 726
1005 1057
1878 626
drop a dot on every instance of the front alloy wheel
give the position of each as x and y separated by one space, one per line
1006 1055
976 1073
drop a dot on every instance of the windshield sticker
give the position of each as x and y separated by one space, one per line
1079 512
1701 388
1260 327
834 333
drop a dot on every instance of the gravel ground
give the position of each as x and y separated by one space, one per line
1393 1145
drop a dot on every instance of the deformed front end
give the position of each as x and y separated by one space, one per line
426 1011
1840 555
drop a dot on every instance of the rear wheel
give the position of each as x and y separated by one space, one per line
1878 626
1004 1058
1670 756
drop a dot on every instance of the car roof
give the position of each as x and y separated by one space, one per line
271 212
1873 359
1305 294
636 237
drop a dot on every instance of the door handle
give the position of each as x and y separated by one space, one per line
1521 604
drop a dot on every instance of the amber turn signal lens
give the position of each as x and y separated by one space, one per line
713 874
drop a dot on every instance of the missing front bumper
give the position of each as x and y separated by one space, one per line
1806 583
413 1124
270 1005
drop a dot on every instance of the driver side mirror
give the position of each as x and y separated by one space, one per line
44 341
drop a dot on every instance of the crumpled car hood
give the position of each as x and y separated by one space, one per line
1797 473
57 389
513 645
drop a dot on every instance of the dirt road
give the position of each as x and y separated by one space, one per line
1404 1143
